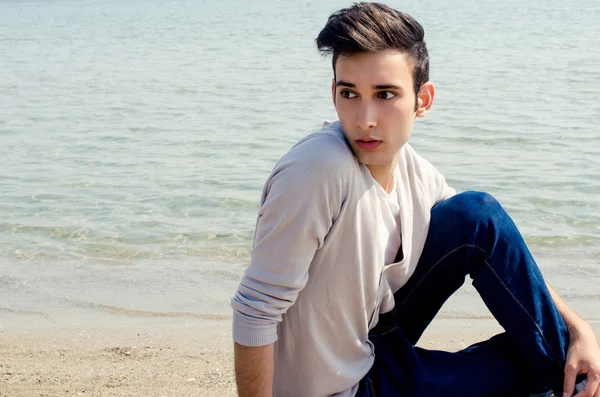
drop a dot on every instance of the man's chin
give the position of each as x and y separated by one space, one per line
369 160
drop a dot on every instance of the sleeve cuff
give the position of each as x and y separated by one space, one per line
248 333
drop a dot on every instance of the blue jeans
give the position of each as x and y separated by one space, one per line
470 234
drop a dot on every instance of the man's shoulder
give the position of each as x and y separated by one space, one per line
414 162
424 174
418 168
320 163
328 140
326 149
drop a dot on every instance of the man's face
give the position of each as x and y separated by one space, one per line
375 102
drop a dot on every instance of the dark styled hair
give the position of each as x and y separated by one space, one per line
372 27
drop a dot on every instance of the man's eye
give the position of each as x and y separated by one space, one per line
385 95
348 94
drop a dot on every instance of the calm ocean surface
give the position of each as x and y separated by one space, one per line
135 137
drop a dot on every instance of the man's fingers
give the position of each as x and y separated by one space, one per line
594 390
570 378
591 388
583 393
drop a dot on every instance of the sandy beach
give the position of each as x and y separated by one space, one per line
179 361
160 330
127 362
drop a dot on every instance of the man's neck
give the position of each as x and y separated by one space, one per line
384 174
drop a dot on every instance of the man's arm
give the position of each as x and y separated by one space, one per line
254 370
572 320
301 200
583 356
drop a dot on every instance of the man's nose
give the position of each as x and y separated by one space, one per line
365 119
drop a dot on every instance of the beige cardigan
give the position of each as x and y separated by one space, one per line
316 282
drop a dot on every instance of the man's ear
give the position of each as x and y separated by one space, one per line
425 99
333 90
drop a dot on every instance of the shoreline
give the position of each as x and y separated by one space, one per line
164 329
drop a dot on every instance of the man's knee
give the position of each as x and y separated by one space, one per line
468 208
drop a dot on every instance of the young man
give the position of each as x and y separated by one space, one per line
359 242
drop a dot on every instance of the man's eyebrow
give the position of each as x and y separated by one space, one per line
342 83
387 87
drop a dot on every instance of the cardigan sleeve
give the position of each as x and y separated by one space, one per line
300 202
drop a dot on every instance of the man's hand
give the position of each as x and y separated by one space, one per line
583 357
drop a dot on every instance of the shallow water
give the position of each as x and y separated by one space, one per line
137 135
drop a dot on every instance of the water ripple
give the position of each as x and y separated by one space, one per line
127 137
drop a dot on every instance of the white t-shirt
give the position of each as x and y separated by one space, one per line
390 224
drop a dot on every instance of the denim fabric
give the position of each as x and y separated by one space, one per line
470 234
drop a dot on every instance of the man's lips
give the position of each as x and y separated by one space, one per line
368 144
